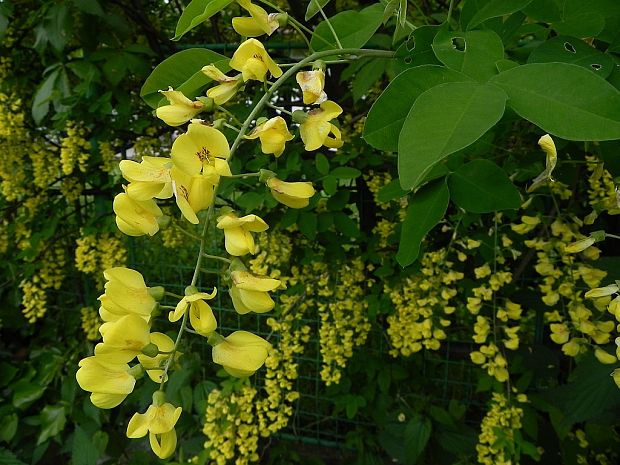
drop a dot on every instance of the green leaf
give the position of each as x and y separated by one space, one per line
8 427
307 224
53 421
391 191
468 110
567 49
174 72
345 172
83 451
89 6
353 28
417 50
426 209
564 100
43 96
579 19
473 53
367 76
484 10
8 458
388 113
313 7
481 186
345 224
25 393
330 184
322 163
196 12
417 434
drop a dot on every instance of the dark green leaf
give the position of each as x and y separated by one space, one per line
289 218
546 94
428 136
483 10
25 393
579 19
473 53
314 7
387 115
8 427
8 458
338 201
481 186
322 163
307 224
53 421
174 72
89 6
367 77
391 191
417 434
346 225
196 12
330 184
83 451
426 209
353 28
345 172
43 96
567 49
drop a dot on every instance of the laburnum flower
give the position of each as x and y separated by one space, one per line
202 150
315 129
227 87
546 143
149 178
273 135
153 365
257 24
124 338
311 84
126 294
602 291
580 245
189 301
291 194
241 353
158 421
180 110
249 293
254 62
238 232
195 193
136 217
202 318
109 382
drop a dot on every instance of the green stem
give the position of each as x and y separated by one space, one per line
172 294
215 257
283 110
329 25
244 175
168 307
450 11
613 236
187 233
230 126
230 114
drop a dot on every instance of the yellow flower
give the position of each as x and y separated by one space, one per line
257 24
311 84
238 232
546 143
604 357
316 127
109 382
241 353
291 194
180 110
159 421
201 150
195 193
153 365
126 293
580 245
249 292
189 300
124 338
253 61
149 178
135 217
273 134
602 291
227 87
616 376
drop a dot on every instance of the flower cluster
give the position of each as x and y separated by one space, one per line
98 252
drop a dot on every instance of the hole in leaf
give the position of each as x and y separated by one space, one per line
408 60
596 66
569 47
458 43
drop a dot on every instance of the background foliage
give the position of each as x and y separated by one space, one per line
379 313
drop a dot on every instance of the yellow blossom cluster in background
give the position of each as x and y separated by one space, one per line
74 149
97 252
423 303
90 323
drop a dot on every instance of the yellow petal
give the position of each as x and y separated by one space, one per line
241 353
138 215
251 282
106 401
311 84
238 304
202 318
247 27
253 61
98 375
302 190
138 426
163 445
257 301
198 147
238 242
162 418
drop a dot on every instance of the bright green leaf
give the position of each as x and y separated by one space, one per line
196 12
322 163
468 110
391 191
43 96
53 421
564 100
481 186
426 209
345 172
353 28
83 451
174 72
25 393
473 53
387 115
